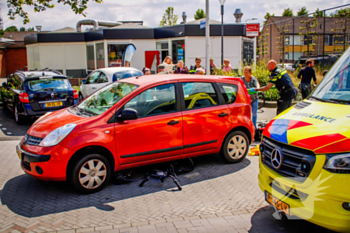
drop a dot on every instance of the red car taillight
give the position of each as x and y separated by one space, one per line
75 94
23 97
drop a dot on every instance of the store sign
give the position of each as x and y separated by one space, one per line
202 23
252 30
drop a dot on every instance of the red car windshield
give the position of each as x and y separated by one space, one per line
105 98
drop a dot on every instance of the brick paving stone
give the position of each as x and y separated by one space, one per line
216 197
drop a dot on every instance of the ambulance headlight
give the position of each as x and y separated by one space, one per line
338 163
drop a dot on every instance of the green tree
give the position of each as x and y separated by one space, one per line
342 28
308 31
341 12
11 29
30 29
169 19
302 11
288 12
2 33
200 14
16 7
22 29
267 16
319 13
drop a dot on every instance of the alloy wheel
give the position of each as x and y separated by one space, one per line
92 174
236 147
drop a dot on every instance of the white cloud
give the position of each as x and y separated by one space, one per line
151 11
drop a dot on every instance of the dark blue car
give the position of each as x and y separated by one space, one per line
33 93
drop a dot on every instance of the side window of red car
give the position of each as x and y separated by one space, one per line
154 101
229 92
199 95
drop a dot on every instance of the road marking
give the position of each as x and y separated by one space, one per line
9 133
4 129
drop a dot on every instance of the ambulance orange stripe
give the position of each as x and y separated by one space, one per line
338 147
293 124
319 141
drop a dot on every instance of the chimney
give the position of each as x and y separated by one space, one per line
238 15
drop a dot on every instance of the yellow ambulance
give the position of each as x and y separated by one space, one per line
305 154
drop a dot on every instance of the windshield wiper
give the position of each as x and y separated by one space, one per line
85 112
323 100
339 101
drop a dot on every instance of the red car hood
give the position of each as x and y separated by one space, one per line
52 122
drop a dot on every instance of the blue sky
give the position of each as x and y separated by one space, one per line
151 11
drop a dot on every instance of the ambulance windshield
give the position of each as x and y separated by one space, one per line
335 87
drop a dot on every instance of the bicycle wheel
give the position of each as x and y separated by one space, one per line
261 100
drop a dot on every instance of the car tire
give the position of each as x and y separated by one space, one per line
91 173
18 118
235 147
80 97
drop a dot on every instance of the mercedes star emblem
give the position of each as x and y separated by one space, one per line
52 95
276 158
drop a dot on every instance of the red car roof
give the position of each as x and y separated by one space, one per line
150 79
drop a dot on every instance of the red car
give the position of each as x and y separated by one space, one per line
137 122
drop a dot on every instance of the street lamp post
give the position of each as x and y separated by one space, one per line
251 19
222 2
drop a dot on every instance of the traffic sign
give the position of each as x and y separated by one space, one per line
202 23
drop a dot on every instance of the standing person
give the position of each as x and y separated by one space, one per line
168 64
146 71
181 69
227 68
280 78
306 74
212 66
196 66
251 82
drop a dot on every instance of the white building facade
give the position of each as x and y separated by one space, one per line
77 54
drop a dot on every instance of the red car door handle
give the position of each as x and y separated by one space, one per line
173 122
223 114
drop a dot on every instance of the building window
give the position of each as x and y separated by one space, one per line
178 50
163 48
100 55
326 40
115 54
338 39
286 40
90 57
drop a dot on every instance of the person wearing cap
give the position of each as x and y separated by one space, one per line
146 71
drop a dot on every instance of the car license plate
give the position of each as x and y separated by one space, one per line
19 154
277 203
53 104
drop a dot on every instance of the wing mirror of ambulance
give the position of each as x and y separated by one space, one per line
324 73
128 114
83 81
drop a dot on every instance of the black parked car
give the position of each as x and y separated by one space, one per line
34 93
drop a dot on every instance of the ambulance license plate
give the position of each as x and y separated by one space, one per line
280 205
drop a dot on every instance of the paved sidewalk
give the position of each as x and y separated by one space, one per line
216 197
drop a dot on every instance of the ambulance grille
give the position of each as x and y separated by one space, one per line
296 163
